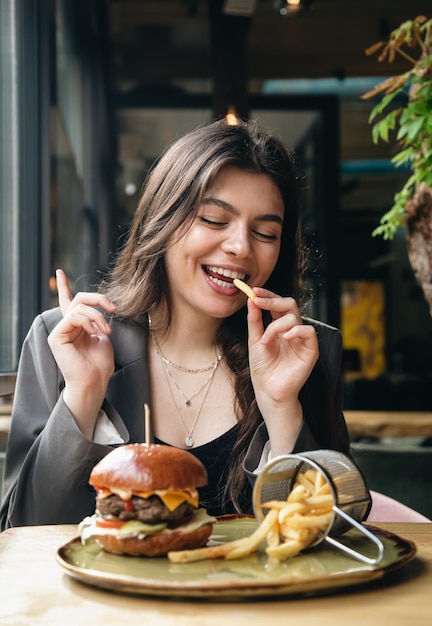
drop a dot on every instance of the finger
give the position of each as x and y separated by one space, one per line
90 299
278 306
302 331
88 318
255 323
70 328
64 293
280 326
265 293
87 298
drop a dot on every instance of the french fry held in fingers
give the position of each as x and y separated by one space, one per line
289 527
248 291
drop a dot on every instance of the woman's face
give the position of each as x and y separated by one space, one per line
236 234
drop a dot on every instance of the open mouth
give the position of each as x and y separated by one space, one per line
223 277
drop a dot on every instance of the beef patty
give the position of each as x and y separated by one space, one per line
149 510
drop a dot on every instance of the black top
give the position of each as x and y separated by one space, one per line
215 456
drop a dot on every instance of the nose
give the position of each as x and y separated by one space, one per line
237 242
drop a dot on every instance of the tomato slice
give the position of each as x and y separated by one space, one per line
109 523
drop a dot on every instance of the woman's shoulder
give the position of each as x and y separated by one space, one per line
330 343
323 329
49 318
129 337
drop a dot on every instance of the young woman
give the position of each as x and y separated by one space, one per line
233 381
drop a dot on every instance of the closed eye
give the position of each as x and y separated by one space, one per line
265 236
205 220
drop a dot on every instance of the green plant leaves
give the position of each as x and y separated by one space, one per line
411 121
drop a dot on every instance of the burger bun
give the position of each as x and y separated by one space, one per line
156 545
142 467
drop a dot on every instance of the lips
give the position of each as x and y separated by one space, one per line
223 277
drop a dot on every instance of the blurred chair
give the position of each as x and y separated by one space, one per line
403 473
385 509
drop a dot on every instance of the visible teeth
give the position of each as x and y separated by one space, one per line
222 283
227 273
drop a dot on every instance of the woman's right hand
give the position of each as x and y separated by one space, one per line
83 352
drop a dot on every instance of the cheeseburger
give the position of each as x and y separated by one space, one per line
147 501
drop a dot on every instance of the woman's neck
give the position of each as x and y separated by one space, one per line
189 341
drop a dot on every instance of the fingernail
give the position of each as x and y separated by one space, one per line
264 339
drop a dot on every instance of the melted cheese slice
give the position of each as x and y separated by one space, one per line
172 498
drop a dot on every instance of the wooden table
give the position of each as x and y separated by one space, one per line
389 423
35 591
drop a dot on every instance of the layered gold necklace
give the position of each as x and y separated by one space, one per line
187 398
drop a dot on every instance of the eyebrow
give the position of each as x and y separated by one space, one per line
226 206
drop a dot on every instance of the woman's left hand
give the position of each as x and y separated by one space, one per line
281 357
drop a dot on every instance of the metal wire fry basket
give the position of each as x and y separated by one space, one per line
351 498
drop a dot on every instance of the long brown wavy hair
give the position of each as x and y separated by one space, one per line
172 194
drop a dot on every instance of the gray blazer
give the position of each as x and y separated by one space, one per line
48 459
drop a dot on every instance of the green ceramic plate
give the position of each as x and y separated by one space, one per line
321 569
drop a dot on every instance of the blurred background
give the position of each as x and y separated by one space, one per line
93 90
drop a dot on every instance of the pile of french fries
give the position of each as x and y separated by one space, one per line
289 527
